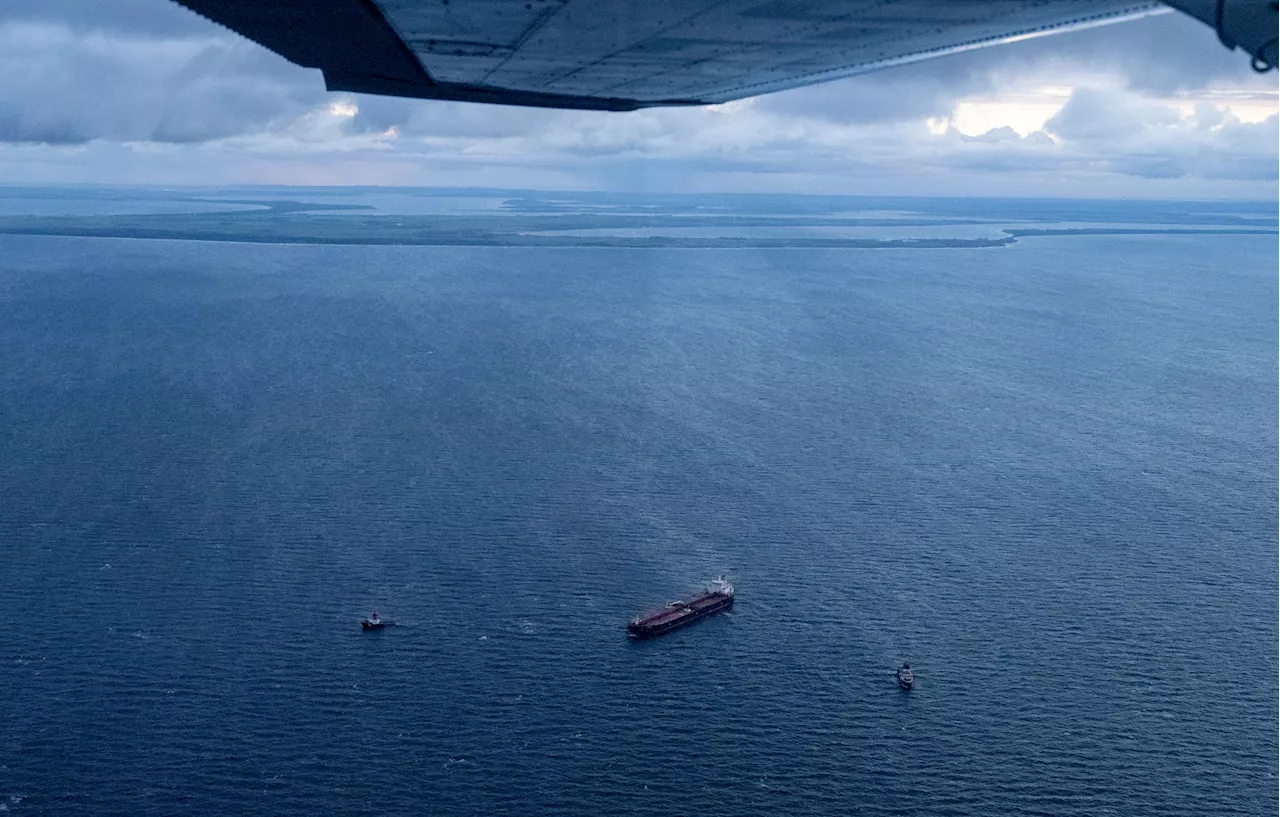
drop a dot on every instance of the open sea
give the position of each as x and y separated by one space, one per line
1045 474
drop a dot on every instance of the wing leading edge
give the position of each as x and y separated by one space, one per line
621 55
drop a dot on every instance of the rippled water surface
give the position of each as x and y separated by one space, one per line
1045 474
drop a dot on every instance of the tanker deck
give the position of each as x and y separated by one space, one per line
717 597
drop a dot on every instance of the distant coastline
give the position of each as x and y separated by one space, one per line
573 220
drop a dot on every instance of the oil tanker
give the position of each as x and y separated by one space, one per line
718 596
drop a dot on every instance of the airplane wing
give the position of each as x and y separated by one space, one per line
621 55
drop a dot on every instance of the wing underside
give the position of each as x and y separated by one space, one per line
622 54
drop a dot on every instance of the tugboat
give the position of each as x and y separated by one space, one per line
906 679
372 622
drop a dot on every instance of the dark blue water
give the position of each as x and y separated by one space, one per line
1045 474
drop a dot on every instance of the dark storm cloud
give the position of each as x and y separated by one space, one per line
72 71
414 117
120 76
150 70
136 18
1165 54
1093 114
1162 54
61 85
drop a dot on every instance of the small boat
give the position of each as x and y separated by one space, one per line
372 622
906 679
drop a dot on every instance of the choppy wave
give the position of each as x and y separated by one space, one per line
1046 477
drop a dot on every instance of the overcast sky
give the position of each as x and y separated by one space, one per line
143 91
